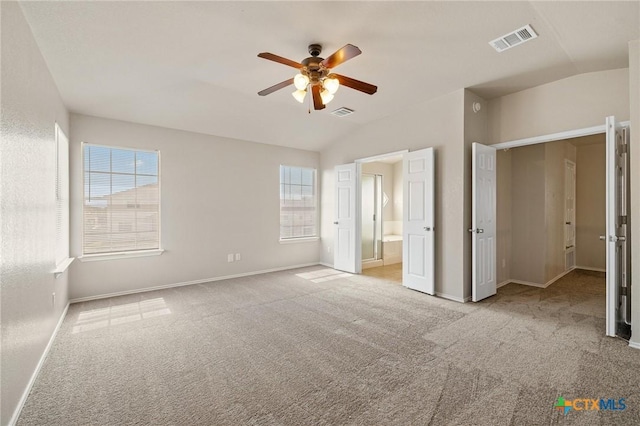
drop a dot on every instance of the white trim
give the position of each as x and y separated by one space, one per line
545 285
381 156
328 265
34 376
568 134
372 264
298 240
634 345
62 266
450 297
589 268
503 283
181 284
119 255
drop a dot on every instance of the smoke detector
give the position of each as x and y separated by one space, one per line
514 38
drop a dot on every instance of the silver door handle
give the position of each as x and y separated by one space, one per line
615 238
427 228
335 223
477 230
603 237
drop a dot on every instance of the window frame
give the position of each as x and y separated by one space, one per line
124 254
306 238
62 202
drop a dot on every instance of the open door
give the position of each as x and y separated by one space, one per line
418 272
483 222
618 315
346 253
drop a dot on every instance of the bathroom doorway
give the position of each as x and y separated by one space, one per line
382 192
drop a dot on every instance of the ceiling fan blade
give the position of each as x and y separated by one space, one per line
342 55
317 100
275 87
367 88
280 59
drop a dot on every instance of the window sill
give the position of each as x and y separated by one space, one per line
299 240
120 255
62 266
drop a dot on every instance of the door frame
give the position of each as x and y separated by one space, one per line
568 134
359 162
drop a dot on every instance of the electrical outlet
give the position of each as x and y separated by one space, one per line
504 263
237 256
53 299
230 257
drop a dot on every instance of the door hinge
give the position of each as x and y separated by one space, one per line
623 148
623 291
622 220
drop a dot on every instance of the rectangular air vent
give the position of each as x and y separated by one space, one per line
342 111
514 38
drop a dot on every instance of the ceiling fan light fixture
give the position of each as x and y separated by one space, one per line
326 96
299 95
301 81
331 84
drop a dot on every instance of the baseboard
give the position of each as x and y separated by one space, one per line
634 345
454 298
503 283
372 264
182 284
34 376
545 285
328 265
588 268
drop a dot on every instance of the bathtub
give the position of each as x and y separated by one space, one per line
392 249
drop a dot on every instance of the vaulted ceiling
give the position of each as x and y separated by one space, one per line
193 65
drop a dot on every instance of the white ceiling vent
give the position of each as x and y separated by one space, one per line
342 111
514 38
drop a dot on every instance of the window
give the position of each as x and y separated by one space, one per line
62 196
121 200
298 211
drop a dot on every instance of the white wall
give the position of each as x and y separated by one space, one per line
31 106
218 196
576 102
436 123
590 204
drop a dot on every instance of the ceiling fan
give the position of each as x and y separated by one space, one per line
315 74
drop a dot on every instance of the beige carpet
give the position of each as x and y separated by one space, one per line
317 347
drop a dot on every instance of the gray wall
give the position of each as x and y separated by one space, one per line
528 242
31 105
590 205
218 196
436 123
503 215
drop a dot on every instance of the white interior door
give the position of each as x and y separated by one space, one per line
418 246
483 222
618 317
346 255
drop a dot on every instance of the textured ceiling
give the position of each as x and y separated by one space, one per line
193 65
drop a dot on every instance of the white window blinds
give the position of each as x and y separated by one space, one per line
121 200
62 196
297 202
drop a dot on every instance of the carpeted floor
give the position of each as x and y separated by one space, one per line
316 347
